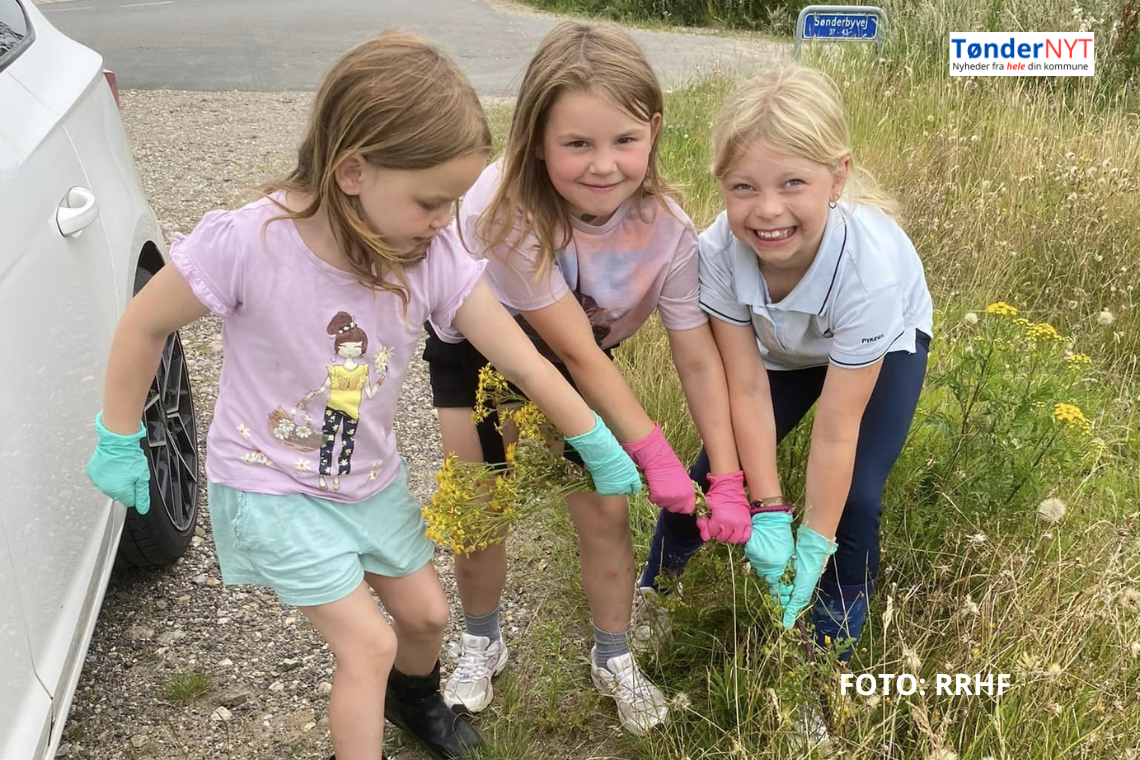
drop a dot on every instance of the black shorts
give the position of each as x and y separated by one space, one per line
454 372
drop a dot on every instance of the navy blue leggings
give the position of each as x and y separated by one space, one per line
849 577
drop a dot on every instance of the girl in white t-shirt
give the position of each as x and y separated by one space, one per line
815 294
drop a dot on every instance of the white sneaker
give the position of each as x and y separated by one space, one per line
649 626
640 704
469 686
809 732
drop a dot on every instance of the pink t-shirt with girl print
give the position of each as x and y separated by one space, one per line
314 360
641 259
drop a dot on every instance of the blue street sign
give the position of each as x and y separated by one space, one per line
851 25
840 23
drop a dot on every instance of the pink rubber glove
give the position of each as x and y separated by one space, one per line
669 485
731 521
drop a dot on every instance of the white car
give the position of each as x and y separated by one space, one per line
77 239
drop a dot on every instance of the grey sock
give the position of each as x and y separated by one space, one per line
484 625
609 645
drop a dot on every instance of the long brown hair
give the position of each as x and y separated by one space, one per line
575 57
397 102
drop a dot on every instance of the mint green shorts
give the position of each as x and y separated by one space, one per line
314 551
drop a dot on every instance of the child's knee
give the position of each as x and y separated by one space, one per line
371 652
429 619
603 518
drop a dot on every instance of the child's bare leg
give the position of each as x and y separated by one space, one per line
482 575
606 552
418 605
365 648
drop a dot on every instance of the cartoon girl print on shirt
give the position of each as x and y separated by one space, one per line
347 385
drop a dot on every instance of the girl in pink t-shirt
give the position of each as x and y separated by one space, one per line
322 286
582 244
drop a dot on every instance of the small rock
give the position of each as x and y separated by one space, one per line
184 598
141 632
138 741
221 714
290 621
234 698
200 532
277 686
324 688
169 637
309 727
223 620
196 540
212 581
161 604
200 579
63 750
289 664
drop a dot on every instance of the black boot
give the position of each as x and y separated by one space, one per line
414 704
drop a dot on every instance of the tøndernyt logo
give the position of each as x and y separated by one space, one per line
1026 54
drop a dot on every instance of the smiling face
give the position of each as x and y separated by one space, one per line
350 349
596 154
778 205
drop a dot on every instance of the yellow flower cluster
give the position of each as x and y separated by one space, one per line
1042 331
1002 309
1079 359
1071 415
477 504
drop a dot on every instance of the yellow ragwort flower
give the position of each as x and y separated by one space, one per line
1078 359
1043 331
1002 309
1071 415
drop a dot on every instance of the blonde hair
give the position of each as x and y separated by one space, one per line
798 111
397 102
575 57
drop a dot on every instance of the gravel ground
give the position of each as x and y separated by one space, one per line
270 670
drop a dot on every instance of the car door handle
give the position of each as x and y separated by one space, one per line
76 211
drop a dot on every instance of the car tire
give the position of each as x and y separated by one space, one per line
171 446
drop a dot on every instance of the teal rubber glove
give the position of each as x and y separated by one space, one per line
119 468
769 549
610 467
812 551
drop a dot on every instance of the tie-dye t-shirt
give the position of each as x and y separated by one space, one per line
639 260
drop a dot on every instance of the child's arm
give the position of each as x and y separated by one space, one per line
162 307
118 466
702 377
834 438
566 329
701 371
492 330
750 401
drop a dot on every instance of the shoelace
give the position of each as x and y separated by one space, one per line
471 665
636 684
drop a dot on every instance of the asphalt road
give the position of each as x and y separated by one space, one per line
280 45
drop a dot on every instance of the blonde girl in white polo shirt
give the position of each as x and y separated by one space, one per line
815 295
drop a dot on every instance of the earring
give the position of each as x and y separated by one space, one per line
834 201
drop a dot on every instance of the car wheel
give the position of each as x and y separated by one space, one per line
171 446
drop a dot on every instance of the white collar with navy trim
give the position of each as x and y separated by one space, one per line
813 292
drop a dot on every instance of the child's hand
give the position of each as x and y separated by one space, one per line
611 470
119 468
669 485
812 551
730 521
769 550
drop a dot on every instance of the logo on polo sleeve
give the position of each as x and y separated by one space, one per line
872 340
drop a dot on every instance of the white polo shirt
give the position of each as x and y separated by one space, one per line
864 295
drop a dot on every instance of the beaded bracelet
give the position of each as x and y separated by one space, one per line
770 505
